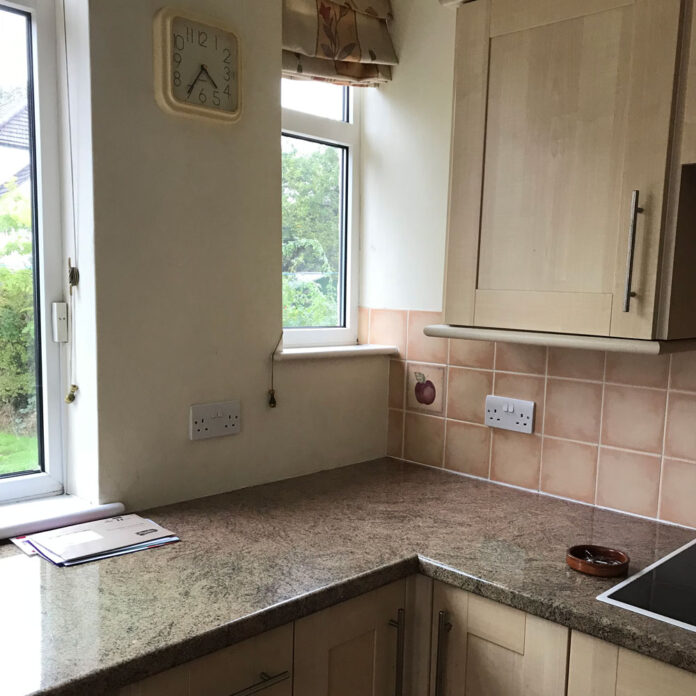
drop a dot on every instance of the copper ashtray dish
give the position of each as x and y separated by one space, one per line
600 561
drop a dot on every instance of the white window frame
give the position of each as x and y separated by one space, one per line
346 134
48 216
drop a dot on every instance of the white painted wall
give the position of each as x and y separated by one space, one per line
406 147
187 281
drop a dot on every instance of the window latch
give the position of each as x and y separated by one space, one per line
73 276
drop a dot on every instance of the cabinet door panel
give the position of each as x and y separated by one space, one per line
513 15
495 650
349 649
598 668
562 109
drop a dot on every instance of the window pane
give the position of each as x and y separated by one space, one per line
316 98
313 233
19 449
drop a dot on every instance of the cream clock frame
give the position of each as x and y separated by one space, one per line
172 72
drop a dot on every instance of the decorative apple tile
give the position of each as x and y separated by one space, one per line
426 389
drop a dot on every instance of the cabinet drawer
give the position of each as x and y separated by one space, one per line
264 662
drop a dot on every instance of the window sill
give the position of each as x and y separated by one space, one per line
37 515
321 352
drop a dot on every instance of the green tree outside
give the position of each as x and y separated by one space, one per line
311 233
18 443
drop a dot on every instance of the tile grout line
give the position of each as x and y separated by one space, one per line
446 397
664 442
543 420
601 428
490 443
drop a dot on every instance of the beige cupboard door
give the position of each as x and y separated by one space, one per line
483 648
350 649
598 668
260 665
562 110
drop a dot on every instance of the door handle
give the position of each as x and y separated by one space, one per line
635 210
443 628
265 683
400 626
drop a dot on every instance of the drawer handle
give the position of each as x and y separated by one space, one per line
443 628
400 626
635 209
266 682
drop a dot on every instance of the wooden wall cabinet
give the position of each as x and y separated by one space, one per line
598 668
563 109
482 648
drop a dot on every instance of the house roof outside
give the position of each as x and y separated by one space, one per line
14 124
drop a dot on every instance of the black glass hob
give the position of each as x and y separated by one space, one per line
666 590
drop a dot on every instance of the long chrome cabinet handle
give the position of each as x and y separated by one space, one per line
443 628
265 683
635 209
400 626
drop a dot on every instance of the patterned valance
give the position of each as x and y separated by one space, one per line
342 41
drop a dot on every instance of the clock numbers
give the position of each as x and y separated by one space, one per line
203 66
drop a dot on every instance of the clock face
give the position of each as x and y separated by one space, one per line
203 66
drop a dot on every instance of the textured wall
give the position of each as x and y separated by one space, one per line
187 275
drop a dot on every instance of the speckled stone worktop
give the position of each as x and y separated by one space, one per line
257 558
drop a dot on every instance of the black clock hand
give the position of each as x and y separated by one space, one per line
193 84
204 68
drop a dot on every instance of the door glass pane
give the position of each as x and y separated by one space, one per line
316 98
313 233
19 448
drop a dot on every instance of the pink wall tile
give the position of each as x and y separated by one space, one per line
628 481
569 469
632 411
516 458
523 387
513 357
638 370
426 388
680 438
633 418
684 371
395 431
573 409
466 393
472 353
678 501
424 440
468 448
388 327
573 362
424 348
397 383
363 325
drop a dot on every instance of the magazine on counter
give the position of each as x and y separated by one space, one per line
92 541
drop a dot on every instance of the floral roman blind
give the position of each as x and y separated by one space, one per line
342 41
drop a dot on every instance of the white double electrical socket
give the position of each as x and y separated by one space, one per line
214 420
510 414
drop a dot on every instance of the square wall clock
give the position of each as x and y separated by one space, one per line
197 66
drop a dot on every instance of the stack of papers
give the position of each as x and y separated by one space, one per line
92 541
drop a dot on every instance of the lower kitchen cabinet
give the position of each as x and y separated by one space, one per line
262 665
598 668
482 648
355 648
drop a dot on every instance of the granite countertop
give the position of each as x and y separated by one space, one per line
254 559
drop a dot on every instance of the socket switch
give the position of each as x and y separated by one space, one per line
510 414
215 420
